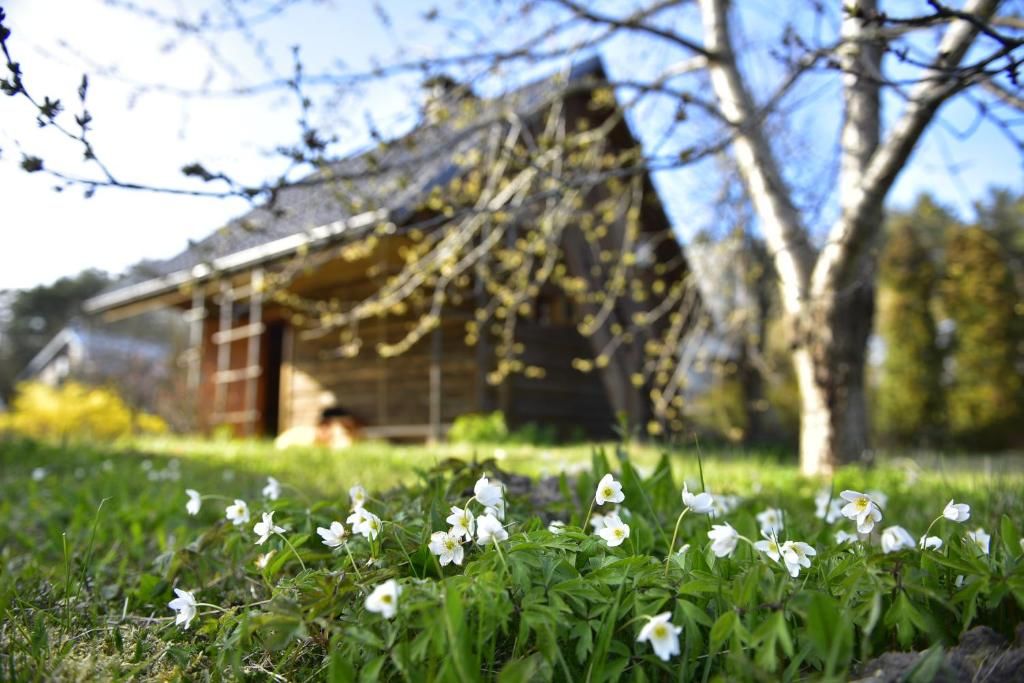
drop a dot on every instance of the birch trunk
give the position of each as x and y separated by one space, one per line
828 295
830 371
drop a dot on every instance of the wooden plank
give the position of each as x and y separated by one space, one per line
403 431
237 417
251 372
243 332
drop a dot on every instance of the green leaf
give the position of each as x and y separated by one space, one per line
1010 536
829 631
371 672
722 629
523 670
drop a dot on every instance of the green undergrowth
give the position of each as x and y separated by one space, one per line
93 542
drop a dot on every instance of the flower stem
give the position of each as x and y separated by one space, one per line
589 512
675 535
501 556
353 559
926 531
294 551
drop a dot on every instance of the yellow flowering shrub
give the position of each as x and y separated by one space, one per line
75 412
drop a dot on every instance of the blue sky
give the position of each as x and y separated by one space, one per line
46 234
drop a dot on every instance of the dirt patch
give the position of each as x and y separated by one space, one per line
981 655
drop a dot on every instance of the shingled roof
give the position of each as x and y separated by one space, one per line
386 183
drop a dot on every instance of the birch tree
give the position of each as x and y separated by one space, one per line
708 92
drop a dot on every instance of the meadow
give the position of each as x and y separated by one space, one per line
97 541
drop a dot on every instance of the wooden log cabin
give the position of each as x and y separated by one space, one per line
262 364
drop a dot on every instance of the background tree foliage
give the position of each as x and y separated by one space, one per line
949 322
985 395
909 397
35 315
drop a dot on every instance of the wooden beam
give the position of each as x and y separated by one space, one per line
435 383
238 374
252 352
195 317
220 390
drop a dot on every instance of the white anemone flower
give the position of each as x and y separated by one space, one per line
700 503
272 490
372 526
447 547
769 546
609 491
38 474
881 500
896 538
980 539
614 531
724 504
556 526
384 599
844 537
861 508
486 493
194 502
357 497
662 635
930 543
265 528
957 512
827 507
597 520
797 554
333 535
723 539
770 520
496 510
365 523
264 559
237 512
488 529
462 523
356 520
185 606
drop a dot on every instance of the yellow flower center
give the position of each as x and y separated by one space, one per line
618 533
385 599
607 493
660 631
862 503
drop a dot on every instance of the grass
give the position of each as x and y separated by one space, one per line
91 547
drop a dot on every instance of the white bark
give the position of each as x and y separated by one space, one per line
786 237
854 230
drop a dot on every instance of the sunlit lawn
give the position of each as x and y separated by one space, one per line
81 526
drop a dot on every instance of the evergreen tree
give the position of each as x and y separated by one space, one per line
978 294
909 400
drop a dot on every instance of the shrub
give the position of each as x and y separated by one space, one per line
476 428
74 412
491 428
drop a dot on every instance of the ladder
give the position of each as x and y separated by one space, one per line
248 416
